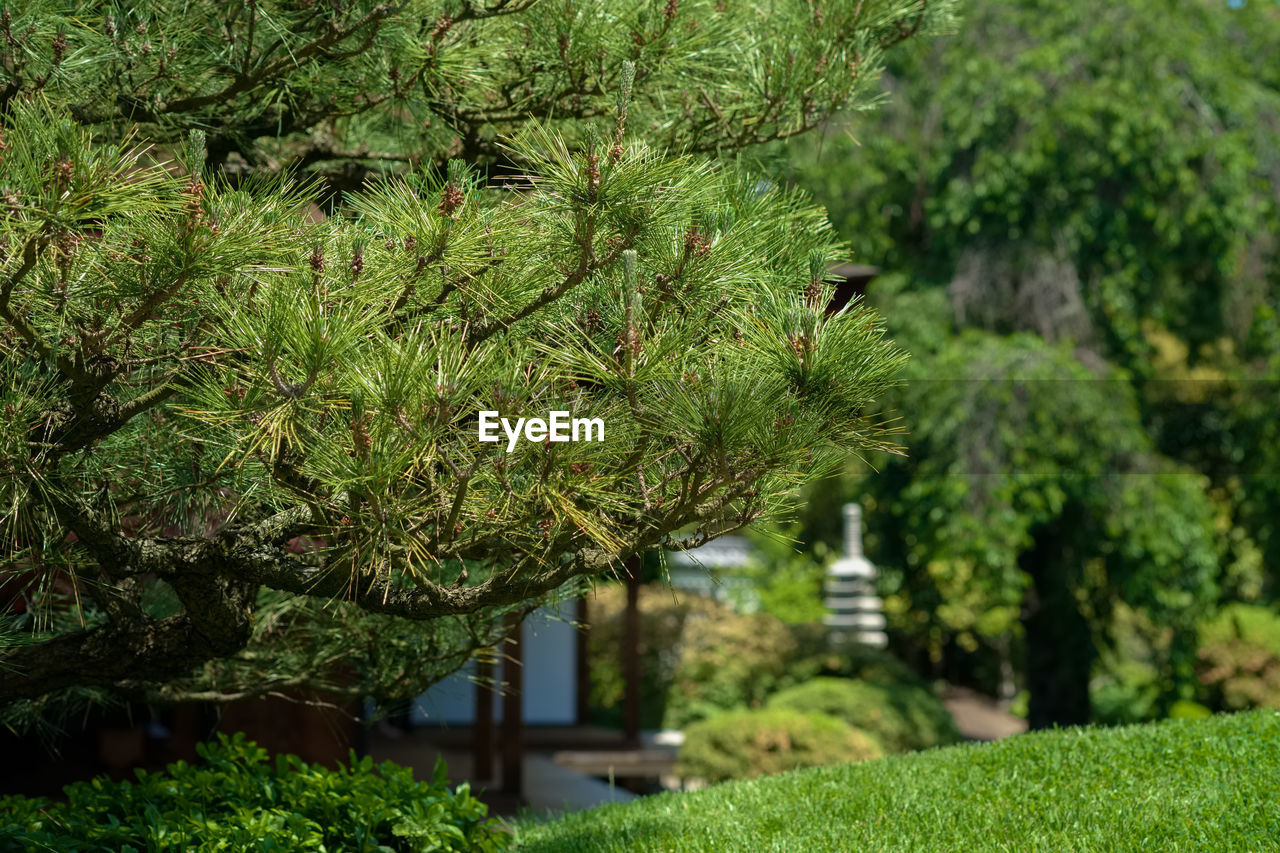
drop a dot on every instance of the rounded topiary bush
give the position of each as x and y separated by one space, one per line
235 799
901 717
750 743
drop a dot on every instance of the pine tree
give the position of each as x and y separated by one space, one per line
263 264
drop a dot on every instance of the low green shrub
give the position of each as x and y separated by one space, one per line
901 717
237 800
751 743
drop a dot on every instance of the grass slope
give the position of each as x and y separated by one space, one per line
1210 784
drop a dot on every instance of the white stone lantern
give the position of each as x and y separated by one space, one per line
854 608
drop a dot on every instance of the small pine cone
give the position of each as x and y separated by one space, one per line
696 243
410 243
812 294
450 201
357 262
317 260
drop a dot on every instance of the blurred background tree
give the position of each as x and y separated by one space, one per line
1076 208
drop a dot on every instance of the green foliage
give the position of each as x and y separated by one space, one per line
1185 709
1179 785
318 384
820 653
1012 435
1239 658
901 717
262 266
1102 175
727 662
237 799
382 84
787 581
663 615
759 742
1128 692
1126 684
699 658
1236 664
1073 168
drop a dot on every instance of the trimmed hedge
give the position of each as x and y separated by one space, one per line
748 744
901 717
236 800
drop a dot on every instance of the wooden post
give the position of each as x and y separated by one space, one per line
512 710
631 655
582 682
482 731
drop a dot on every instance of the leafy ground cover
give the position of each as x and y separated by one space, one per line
237 799
1209 784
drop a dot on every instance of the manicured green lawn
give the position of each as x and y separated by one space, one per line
1207 785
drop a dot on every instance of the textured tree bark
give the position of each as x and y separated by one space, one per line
1060 648
132 648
